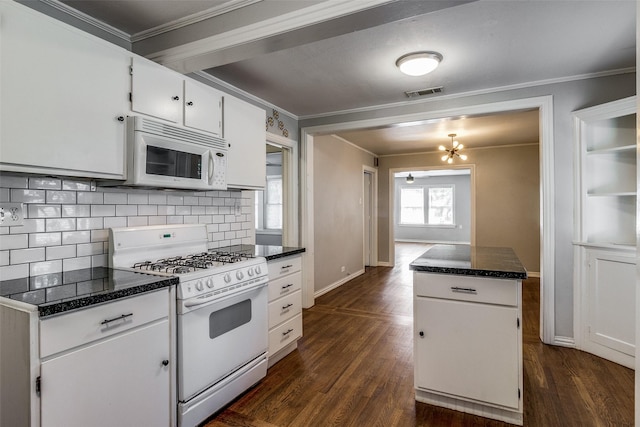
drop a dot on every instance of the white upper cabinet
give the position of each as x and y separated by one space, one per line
244 130
156 91
64 98
162 93
202 107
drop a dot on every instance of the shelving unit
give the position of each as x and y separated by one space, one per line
605 229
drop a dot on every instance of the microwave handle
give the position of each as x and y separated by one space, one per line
211 166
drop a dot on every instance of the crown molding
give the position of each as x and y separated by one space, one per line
226 7
346 141
89 20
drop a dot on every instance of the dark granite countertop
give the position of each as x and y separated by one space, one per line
267 251
470 261
59 292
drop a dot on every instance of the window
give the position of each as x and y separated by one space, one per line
268 204
412 205
436 209
440 205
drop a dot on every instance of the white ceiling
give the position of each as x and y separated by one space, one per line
348 62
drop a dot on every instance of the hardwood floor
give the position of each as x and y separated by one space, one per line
354 367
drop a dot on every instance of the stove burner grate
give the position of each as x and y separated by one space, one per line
198 261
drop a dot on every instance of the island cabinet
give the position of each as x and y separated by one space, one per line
64 97
468 337
285 306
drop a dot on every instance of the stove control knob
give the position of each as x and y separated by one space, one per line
227 278
209 283
239 275
250 272
258 269
199 285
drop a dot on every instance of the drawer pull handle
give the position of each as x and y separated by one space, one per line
284 267
286 306
463 290
287 286
287 332
124 316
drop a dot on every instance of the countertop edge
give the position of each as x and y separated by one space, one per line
285 254
471 272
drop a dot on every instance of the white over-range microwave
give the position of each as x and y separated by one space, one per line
161 155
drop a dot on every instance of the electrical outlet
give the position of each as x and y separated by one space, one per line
11 214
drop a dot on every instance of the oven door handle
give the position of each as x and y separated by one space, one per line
202 301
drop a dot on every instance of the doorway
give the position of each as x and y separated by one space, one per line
370 215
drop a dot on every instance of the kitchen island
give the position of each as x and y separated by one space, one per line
467 330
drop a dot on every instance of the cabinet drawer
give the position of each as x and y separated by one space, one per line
284 266
284 334
285 308
284 286
84 326
466 288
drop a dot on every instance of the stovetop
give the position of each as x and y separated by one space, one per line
193 262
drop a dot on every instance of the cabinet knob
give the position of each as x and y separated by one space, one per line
421 333
165 362
120 118
190 103
176 98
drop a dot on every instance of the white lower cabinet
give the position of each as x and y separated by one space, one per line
285 306
468 344
115 368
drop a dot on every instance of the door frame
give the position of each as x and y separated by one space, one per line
373 209
290 229
544 104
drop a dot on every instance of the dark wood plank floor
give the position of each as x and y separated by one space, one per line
354 367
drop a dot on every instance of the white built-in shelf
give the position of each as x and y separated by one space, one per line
612 194
614 150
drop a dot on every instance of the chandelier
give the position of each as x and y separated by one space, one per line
453 151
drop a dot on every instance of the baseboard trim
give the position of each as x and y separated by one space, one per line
337 284
385 264
432 242
564 341
533 274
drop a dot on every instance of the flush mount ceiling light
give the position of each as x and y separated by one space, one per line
453 151
418 63
410 179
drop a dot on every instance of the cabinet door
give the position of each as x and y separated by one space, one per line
62 93
119 381
244 130
156 91
468 350
611 305
202 107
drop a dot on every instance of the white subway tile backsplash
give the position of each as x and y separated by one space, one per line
75 211
76 263
157 199
115 221
115 198
44 239
27 196
29 226
137 221
137 198
22 256
68 197
17 241
67 221
69 184
126 210
90 198
60 224
103 210
90 223
75 237
16 271
45 267
59 252
87 249
44 211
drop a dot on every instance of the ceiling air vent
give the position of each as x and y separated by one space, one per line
424 92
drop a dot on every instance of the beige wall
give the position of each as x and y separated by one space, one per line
507 188
338 217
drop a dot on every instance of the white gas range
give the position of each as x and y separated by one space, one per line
221 311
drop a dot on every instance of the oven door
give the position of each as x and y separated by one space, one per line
218 337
